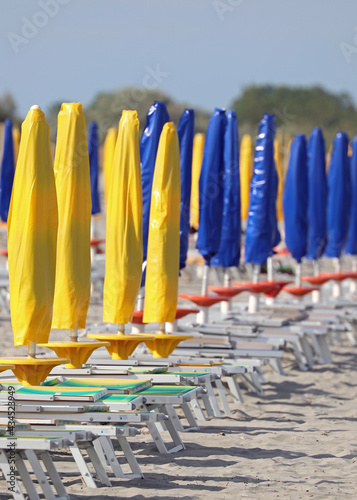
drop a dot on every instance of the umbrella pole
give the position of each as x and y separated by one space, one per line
32 350
298 274
353 282
253 302
202 316
315 296
162 327
336 289
270 268
226 305
74 335
121 328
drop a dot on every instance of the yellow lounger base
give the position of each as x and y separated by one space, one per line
121 346
32 371
164 344
77 352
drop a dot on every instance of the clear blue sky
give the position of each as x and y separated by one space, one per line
206 51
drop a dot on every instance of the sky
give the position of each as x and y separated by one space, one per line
202 52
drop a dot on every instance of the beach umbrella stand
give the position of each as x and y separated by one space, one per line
32 227
73 263
295 204
261 233
338 209
163 250
316 210
124 253
210 209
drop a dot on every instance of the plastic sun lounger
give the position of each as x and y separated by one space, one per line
113 403
32 449
98 446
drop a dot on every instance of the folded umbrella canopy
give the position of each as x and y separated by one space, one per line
164 234
73 186
261 234
108 154
229 248
317 196
185 132
156 118
339 197
197 157
7 171
211 187
295 199
124 245
351 245
246 173
32 234
93 145
16 140
279 168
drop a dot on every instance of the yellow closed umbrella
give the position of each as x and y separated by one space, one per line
246 173
32 234
161 285
124 242
197 157
32 239
108 155
162 273
16 141
279 167
124 246
73 267
71 166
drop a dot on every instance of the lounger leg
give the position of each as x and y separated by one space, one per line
82 466
259 372
104 450
97 464
40 475
309 356
277 366
195 405
55 477
213 400
129 455
298 354
317 349
192 422
16 493
235 389
171 412
207 405
254 383
324 348
222 396
97 443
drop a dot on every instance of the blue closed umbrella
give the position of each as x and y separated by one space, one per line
7 171
156 118
351 245
317 196
185 131
261 234
211 187
229 249
295 199
93 145
339 197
